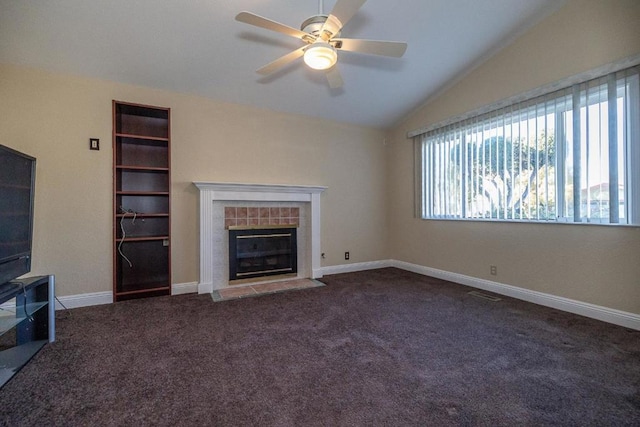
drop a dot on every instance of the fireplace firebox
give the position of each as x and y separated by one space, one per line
262 252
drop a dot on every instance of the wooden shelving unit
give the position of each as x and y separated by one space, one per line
141 201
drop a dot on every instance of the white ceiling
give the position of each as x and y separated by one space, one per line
196 46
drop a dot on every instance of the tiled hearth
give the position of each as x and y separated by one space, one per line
224 205
263 289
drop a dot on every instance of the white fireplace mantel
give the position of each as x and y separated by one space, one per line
224 191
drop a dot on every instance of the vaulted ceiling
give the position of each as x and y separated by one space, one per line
198 47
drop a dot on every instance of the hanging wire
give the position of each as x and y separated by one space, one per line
124 234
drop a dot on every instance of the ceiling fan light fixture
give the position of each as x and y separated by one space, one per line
320 56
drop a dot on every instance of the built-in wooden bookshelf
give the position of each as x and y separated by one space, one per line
141 201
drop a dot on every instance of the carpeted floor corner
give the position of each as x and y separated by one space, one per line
380 347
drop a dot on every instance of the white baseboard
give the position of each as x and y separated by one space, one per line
84 300
184 288
98 298
605 314
610 315
359 266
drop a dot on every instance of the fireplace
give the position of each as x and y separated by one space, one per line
262 252
214 234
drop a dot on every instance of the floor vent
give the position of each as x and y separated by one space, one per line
485 296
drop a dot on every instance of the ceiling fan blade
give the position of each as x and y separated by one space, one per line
345 9
259 21
282 61
342 13
372 47
334 77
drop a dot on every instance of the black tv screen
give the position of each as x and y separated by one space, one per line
17 184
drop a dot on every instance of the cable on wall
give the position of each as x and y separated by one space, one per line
125 212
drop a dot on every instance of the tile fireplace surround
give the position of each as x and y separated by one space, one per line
215 196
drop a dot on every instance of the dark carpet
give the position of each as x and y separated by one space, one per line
382 347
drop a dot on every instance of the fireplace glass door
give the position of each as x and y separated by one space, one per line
262 252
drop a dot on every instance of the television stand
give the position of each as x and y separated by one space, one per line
27 323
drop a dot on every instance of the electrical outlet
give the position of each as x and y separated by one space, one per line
346 255
493 270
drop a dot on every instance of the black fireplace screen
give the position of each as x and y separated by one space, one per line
262 252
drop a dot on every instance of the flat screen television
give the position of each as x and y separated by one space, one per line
17 185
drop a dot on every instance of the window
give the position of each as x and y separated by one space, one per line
568 156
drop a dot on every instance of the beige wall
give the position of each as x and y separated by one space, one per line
52 117
594 264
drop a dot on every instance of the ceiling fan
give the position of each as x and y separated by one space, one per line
321 35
